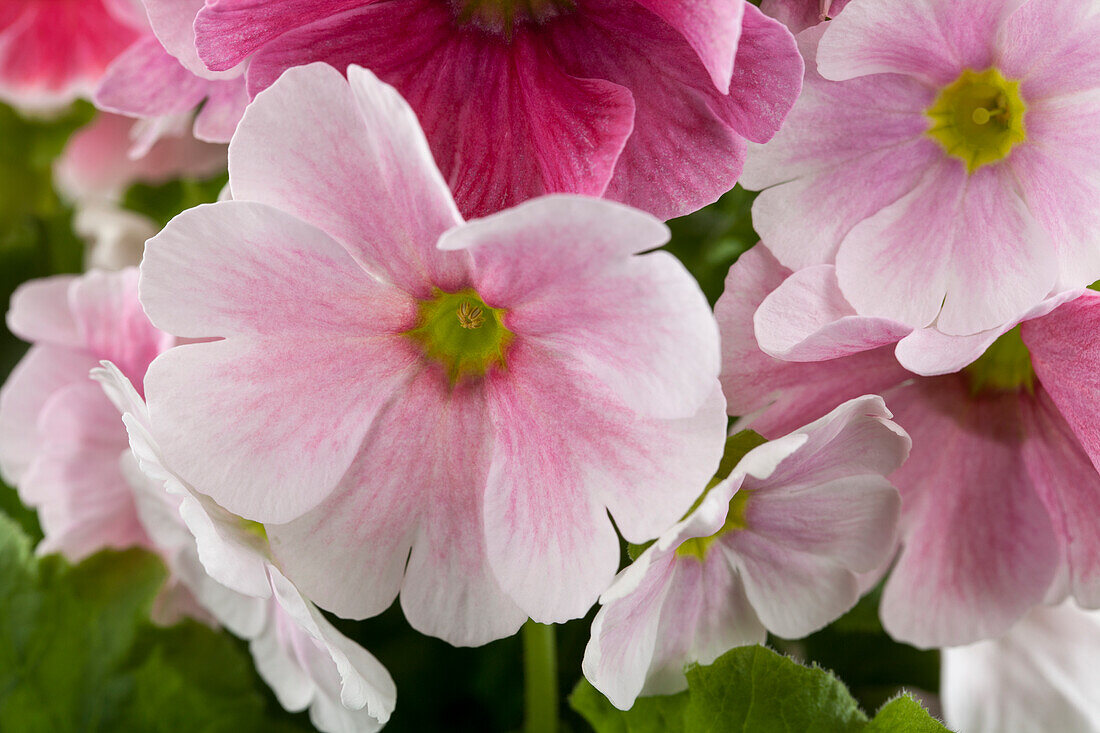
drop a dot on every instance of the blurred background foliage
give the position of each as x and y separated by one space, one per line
143 669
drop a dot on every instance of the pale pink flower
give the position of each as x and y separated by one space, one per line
775 547
1040 676
647 102
160 77
226 564
798 15
999 496
944 155
54 51
104 158
60 438
415 403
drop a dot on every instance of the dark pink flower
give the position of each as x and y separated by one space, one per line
53 51
648 102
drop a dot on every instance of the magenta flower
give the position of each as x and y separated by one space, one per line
60 438
647 102
225 564
1040 676
161 79
999 496
944 156
53 51
775 547
415 403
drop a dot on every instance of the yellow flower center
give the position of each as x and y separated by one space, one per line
1004 367
462 333
502 16
736 448
979 117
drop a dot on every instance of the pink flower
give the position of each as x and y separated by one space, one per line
414 403
160 77
647 102
775 547
226 564
106 157
53 51
1041 676
60 438
798 15
999 496
944 155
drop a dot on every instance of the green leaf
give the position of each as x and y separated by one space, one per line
753 689
903 714
662 714
78 653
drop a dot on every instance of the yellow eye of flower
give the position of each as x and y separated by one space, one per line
979 118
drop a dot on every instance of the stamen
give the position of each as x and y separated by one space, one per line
470 316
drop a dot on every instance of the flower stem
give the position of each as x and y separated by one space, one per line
540 678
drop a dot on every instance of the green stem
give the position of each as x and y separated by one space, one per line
540 678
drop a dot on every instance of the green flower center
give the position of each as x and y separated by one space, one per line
736 448
735 521
979 117
461 332
1004 367
502 16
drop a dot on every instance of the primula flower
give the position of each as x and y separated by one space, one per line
226 563
53 51
104 158
798 15
415 403
944 156
647 102
1041 676
60 438
774 547
999 496
161 79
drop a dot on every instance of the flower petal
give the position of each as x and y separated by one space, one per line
417 484
505 120
978 546
566 448
928 39
712 29
965 242
562 267
807 319
775 396
344 156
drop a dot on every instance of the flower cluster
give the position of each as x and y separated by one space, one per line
426 346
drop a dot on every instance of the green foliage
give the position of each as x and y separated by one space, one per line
161 203
873 665
756 690
77 652
711 239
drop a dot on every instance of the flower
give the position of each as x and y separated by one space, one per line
160 78
774 547
60 438
104 158
647 102
798 15
414 403
1041 675
54 51
225 562
943 155
999 495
